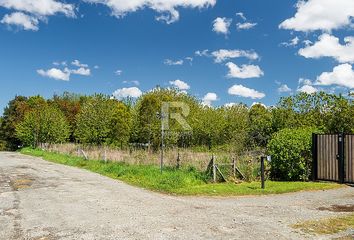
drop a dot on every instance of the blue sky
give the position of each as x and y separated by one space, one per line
269 48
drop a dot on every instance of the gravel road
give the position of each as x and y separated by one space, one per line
42 200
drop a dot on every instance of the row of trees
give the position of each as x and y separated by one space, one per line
101 120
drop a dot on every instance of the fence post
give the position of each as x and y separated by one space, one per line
341 170
234 167
262 172
314 157
178 161
214 168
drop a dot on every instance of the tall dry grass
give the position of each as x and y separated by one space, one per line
248 162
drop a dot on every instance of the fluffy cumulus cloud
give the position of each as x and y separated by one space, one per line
307 89
167 9
224 54
242 91
325 15
170 62
28 13
342 75
329 46
245 71
55 73
222 25
65 74
209 98
180 85
132 92
21 20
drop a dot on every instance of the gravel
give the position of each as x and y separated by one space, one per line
43 200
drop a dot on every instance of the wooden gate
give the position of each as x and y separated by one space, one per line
333 157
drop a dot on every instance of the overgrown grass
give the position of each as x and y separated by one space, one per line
187 181
327 226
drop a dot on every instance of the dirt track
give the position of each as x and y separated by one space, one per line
41 200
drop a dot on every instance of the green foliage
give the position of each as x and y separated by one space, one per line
183 182
13 115
260 120
103 121
44 124
291 154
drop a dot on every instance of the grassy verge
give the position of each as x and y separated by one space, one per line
183 182
327 226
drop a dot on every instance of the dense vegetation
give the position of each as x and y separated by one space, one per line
101 120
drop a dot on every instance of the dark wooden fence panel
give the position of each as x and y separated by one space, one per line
327 163
349 158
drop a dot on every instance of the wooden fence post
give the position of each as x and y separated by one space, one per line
214 168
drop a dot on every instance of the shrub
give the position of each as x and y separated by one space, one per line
291 154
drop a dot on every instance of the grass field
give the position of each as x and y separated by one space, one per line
187 181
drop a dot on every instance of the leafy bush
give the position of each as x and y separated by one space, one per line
291 154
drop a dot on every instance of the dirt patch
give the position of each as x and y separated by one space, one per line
338 208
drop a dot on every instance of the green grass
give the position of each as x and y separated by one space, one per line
182 182
327 226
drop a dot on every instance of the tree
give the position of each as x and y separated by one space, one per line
13 115
260 122
44 124
103 121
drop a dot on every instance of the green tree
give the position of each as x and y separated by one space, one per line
260 122
44 124
103 121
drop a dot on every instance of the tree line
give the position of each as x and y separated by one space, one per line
101 120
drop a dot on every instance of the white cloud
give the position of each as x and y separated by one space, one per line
133 92
28 13
307 89
305 81
118 72
202 53
64 74
173 63
55 73
241 15
77 63
342 75
229 105
284 88
293 42
209 98
22 20
325 15
245 71
81 71
246 25
180 84
221 25
242 91
39 7
329 46
167 9
134 82
224 54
